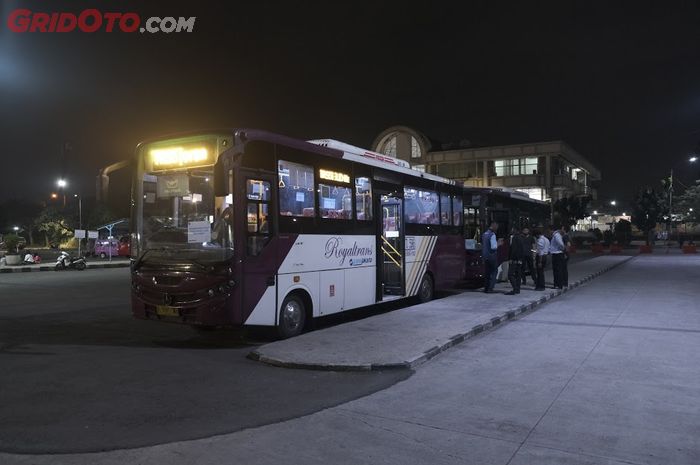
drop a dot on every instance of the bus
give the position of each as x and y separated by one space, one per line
246 227
506 207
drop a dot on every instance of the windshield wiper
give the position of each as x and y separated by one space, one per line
199 264
139 261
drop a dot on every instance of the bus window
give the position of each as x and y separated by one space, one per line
457 211
296 189
445 209
420 207
335 202
363 198
257 215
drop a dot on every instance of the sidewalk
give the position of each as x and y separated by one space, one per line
49 266
407 337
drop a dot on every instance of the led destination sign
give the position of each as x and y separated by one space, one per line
333 176
179 157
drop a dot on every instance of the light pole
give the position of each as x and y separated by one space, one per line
80 218
692 159
62 185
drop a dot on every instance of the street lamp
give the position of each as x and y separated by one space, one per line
62 183
15 228
80 218
613 202
692 159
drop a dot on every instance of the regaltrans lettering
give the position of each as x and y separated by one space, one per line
356 255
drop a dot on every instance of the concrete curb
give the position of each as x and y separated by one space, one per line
90 266
493 323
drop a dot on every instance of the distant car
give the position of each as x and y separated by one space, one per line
124 247
103 246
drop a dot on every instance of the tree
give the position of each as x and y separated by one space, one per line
20 213
689 203
623 232
54 225
568 210
649 209
100 214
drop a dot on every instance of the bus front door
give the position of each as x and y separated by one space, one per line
390 248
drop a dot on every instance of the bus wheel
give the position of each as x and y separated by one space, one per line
426 289
292 317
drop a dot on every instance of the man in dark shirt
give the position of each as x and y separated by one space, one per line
516 254
528 259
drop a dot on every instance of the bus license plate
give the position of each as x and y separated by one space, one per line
164 310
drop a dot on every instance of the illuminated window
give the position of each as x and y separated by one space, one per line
257 215
389 147
363 198
296 189
335 202
420 207
415 148
516 166
533 192
528 165
445 209
457 211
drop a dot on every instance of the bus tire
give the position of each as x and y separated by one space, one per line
426 289
292 317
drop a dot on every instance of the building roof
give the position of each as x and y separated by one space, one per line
534 149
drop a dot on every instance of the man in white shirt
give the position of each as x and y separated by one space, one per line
558 250
542 250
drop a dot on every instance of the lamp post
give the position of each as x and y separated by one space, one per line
80 218
62 185
692 159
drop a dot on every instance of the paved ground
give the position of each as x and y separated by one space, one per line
607 374
77 373
410 336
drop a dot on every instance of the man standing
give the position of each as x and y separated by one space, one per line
516 256
541 259
489 246
528 260
557 248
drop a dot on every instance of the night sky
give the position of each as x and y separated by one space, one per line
620 83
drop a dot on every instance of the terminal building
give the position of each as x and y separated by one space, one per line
544 170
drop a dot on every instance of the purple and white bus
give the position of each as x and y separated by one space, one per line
245 227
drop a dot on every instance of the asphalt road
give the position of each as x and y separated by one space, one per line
78 374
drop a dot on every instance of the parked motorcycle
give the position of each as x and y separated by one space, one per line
64 260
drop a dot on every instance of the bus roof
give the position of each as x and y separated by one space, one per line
337 149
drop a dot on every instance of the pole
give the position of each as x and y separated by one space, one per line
80 220
670 207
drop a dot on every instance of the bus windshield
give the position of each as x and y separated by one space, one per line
182 220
